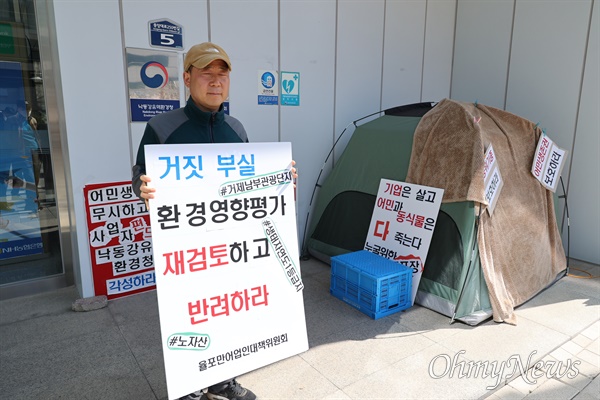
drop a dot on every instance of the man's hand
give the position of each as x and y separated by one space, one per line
294 170
294 173
146 191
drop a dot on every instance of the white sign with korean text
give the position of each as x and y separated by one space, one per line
492 179
226 259
548 162
402 224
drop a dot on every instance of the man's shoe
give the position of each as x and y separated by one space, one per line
192 396
234 391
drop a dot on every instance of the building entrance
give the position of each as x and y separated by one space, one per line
30 245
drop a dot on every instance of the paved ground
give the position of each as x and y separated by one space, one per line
48 351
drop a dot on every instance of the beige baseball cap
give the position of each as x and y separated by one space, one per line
202 54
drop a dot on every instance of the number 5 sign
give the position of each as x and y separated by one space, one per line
165 33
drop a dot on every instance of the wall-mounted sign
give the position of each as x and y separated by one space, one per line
153 82
268 88
13 44
290 88
7 40
165 33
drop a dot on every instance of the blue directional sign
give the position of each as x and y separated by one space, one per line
165 33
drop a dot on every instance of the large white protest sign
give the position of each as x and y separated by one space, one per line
548 162
226 259
402 224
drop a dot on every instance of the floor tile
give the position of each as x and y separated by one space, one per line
553 389
498 341
292 378
590 357
565 307
366 349
508 392
419 377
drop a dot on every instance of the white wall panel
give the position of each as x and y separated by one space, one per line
308 126
358 64
247 30
584 185
481 51
439 39
546 65
95 107
403 52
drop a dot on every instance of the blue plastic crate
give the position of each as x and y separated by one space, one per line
371 283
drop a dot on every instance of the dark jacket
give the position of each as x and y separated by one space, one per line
186 125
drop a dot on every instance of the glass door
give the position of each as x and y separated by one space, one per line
30 247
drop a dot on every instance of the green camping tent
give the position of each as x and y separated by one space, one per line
452 282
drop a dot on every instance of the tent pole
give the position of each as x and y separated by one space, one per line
303 249
568 225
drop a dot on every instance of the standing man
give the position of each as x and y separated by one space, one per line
202 120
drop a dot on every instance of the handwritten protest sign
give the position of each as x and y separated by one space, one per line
548 162
402 224
492 179
120 240
227 265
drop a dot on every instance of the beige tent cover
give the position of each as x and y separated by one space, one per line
520 246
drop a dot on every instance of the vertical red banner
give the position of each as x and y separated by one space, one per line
120 240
